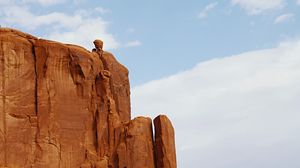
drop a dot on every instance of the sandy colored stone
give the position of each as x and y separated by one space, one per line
64 106
98 44
17 99
164 142
136 147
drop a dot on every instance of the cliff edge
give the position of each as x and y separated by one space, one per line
62 106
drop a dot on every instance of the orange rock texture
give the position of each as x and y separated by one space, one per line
62 106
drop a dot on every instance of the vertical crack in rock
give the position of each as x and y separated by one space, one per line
34 119
34 142
35 77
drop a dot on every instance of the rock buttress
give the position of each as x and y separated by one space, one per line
164 142
64 106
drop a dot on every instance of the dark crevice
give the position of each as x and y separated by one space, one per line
111 80
95 130
36 79
35 123
17 116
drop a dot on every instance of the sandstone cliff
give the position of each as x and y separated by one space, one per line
62 106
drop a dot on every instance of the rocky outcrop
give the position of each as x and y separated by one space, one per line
165 142
64 106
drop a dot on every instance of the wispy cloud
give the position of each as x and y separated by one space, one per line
85 33
102 10
255 7
238 109
23 16
204 12
45 2
284 17
134 43
82 27
298 2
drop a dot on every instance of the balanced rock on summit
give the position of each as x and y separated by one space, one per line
62 106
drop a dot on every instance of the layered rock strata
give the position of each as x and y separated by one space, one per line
62 106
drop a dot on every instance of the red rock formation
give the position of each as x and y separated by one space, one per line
64 106
165 142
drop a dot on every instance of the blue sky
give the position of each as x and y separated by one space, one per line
170 36
226 72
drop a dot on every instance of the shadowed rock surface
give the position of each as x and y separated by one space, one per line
62 106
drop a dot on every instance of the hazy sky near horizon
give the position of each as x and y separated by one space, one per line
227 72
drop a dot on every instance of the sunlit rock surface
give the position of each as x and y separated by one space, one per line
62 106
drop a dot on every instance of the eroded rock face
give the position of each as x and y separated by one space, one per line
64 106
165 142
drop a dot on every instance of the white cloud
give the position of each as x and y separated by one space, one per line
298 2
85 33
40 2
80 28
45 2
208 8
284 17
134 43
238 111
21 15
102 10
4 2
254 7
